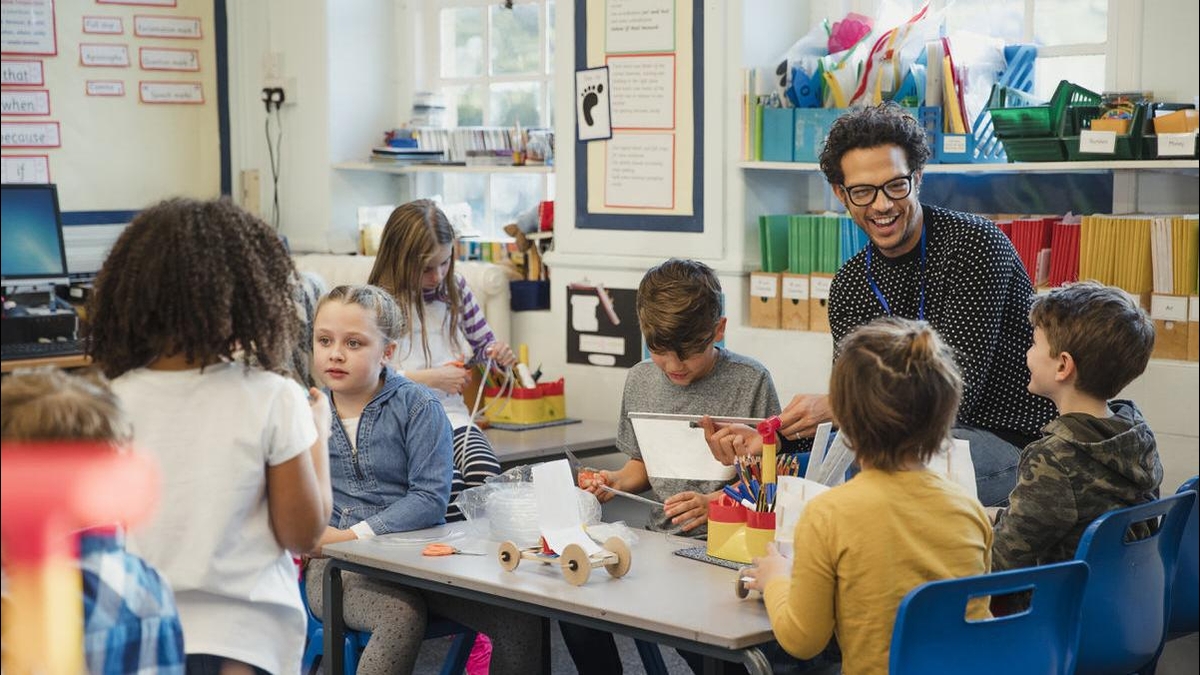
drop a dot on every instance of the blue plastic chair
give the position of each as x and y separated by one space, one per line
933 635
1128 600
356 641
1185 592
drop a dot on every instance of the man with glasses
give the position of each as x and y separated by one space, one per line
955 270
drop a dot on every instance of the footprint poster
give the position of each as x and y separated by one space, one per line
592 111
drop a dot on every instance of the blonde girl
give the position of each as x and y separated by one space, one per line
444 328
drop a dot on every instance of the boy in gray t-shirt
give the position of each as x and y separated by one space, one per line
679 310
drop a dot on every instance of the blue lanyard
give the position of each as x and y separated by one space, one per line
879 294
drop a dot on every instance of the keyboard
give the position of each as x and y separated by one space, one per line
37 350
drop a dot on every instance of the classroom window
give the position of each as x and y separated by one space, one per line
495 63
495 69
1071 35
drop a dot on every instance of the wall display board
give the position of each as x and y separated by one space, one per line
602 326
647 173
116 100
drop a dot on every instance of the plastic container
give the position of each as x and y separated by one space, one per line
1032 132
520 406
1127 146
1179 121
554 399
1015 115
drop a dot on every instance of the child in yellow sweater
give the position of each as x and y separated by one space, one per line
860 547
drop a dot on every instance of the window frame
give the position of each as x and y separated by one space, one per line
431 22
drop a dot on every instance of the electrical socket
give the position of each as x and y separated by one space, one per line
286 84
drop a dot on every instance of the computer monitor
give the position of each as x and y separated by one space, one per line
31 248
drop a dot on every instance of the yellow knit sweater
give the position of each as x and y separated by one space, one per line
860 548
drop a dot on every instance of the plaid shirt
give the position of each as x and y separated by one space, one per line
130 621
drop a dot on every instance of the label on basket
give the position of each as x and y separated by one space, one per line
956 143
1169 308
820 287
795 288
1098 142
1177 145
763 286
1194 308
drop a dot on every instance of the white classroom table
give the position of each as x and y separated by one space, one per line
664 598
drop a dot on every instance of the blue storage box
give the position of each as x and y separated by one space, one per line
527 295
778 134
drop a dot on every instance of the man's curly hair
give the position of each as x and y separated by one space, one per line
200 278
872 127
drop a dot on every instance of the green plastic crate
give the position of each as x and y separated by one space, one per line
1128 145
1015 116
1034 149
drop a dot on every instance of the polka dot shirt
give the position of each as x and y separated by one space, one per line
977 297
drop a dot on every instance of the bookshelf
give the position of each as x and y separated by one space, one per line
800 361
1010 167
397 168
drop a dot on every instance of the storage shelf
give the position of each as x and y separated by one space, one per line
1010 167
384 167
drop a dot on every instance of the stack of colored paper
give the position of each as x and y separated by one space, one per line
773 241
1064 253
1115 250
1174 254
1031 237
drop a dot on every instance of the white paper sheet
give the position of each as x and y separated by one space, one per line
791 497
954 462
671 448
558 508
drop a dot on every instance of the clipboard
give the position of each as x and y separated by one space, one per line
673 446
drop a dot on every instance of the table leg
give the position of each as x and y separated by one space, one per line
335 626
753 658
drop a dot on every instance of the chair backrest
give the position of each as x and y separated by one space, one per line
1185 592
933 635
1127 602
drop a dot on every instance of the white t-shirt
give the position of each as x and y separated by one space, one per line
214 434
410 355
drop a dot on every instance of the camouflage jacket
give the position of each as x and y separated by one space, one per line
1082 467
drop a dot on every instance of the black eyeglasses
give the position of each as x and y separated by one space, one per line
864 195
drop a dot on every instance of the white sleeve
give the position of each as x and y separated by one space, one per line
290 429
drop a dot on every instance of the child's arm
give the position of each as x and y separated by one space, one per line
630 478
450 378
484 344
1041 511
428 442
800 606
299 496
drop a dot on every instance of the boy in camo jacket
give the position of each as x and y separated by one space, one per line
1089 341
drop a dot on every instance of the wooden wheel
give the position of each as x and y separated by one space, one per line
509 556
739 584
618 546
576 566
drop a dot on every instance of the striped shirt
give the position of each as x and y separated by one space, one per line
471 320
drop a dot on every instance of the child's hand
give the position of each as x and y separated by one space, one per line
592 480
727 441
450 378
688 510
766 568
501 353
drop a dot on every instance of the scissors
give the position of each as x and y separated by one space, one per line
578 470
441 549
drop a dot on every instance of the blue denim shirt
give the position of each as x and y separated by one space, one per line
399 477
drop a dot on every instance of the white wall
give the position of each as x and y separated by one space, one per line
354 66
